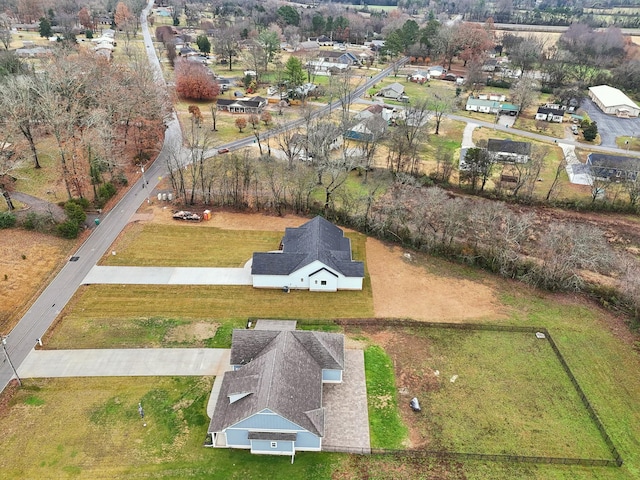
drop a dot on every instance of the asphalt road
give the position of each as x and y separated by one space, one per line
49 304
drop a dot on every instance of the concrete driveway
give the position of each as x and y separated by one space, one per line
130 362
169 276
610 126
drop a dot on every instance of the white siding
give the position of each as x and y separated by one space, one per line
300 279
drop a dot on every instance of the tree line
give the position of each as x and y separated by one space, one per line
96 118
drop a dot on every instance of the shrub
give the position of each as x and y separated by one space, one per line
7 219
74 212
37 222
68 229
106 191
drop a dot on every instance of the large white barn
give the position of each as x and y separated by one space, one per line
613 102
315 256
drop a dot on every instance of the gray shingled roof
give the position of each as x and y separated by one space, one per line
284 376
553 111
509 146
317 239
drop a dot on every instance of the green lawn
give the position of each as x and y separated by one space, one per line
128 316
97 433
386 427
510 396
199 246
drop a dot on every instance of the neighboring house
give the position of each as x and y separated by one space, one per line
490 65
271 403
490 106
346 58
187 51
375 45
367 130
324 41
394 91
613 102
241 105
612 167
419 77
383 111
492 96
437 71
315 256
322 67
550 113
308 46
508 151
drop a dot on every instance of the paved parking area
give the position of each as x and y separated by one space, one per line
169 276
347 417
610 126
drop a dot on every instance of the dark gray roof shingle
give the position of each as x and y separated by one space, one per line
283 374
317 239
508 146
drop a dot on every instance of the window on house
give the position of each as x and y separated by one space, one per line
274 444
323 282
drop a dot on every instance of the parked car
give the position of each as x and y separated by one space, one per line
450 77
223 150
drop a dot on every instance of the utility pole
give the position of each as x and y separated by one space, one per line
6 354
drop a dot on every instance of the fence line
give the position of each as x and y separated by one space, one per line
594 462
616 461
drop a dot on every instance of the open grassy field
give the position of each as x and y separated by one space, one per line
99 434
512 398
199 246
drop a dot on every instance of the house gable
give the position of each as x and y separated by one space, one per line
314 245
276 395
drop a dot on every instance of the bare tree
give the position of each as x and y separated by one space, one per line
438 107
523 92
290 141
564 250
553 188
19 104
5 30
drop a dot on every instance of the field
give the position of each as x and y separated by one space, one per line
399 284
512 398
27 260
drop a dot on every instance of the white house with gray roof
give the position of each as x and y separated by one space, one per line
315 256
271 403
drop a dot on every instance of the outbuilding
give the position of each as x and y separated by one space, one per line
613 102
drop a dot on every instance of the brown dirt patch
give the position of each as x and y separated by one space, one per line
25 277
194 333
402 289
162 214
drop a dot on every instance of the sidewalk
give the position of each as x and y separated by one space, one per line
131 362
169 276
